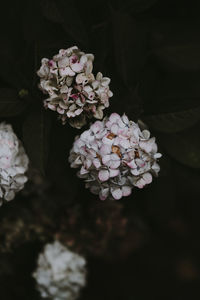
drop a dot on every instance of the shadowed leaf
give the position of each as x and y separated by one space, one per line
10 103
183 146
36 135
173 122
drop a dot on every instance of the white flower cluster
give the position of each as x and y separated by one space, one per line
113 156
60 273
13 163
74 92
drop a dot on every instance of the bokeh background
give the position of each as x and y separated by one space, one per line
146 245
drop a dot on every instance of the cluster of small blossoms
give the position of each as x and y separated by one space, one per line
74 92
114 156
13 164
60 273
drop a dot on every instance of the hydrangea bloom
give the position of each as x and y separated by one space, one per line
115 155
74 92
60 273
13 163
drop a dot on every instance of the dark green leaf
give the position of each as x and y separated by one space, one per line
173 122
36 135
10 103
183 146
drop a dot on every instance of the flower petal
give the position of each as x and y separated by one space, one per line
116 193
103 175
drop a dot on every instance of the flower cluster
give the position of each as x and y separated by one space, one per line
74 92
13 163
115 155
60 273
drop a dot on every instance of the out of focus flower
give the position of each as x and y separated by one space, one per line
113 156
13 164
60 273
74 92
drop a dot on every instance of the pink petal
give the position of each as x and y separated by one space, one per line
67 71
114 164
106 159
77 67
126 190
64 62
104 194
114 172
103 175
83 171
132 164
96 163
114 128
97 126
105 149
125 143
78 111
140 183
114 117
116 193
88 163
147 178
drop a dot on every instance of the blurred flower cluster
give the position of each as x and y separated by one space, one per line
75 93
114 156
95 229
13 164
60 273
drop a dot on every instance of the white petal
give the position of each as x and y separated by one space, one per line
126 190
147 178
116 193
114 117
114 172
103 175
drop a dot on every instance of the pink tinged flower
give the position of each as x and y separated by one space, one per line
104 194
103 175
87 163
64 62
83 171
96 163
66 71
113 172
116 193
131 164
147 146
114 117
124 143
114 129
75 64
52 107
96 127
126 190
60 110
105 149
147 178
78 111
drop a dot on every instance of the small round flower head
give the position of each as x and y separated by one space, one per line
60 273
114 156
13 164
74 92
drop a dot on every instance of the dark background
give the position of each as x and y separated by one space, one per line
146 245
